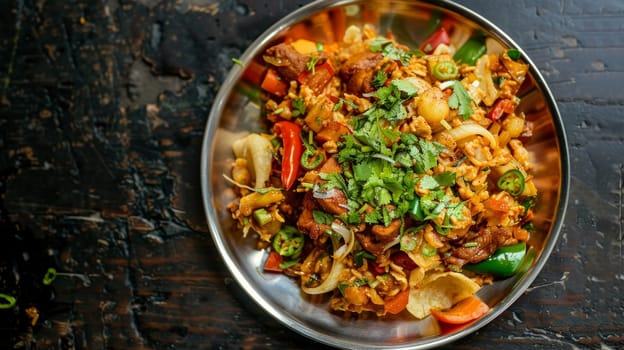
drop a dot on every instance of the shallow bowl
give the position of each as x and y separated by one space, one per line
237 111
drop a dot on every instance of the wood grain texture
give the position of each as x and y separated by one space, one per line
102 110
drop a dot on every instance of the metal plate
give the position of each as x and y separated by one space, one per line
233 114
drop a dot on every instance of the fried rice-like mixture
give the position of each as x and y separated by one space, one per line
382 166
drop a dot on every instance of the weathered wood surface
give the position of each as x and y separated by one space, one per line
103 105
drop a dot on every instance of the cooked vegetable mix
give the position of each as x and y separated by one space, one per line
392 178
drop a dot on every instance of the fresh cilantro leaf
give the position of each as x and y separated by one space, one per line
372 217
342 101
298 106
455 210
446 178
379 79
408 138
390 51
362 171
378 43
428 182
425 155
460 100
404 159
322 217
311 64
394 53
383 196
405 86
334 180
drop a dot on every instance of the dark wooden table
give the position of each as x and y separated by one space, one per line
102 109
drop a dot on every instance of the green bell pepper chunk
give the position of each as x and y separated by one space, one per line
471 51
503 263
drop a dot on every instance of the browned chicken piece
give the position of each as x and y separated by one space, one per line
331 166
385 232
487 240
306 222
318 80
372 243
332 131
336 204
288 62
359 70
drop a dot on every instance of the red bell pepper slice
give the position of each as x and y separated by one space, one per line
502 106
293 148
254 72
303 77
273 262
274 84
438 37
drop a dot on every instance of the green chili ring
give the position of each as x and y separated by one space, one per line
445 70
49 276
512 181
428 250
514 54
310 159
288 242
7 301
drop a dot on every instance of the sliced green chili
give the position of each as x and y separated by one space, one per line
415 209
503 263
288 241
428 250
512 181
445 70
472 49
514 54
7 301
262 216
49 276
311 159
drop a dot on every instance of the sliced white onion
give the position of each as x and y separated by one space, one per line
349 238
322 194
470 129
341 230
331 282
447 84
392 243
368 94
